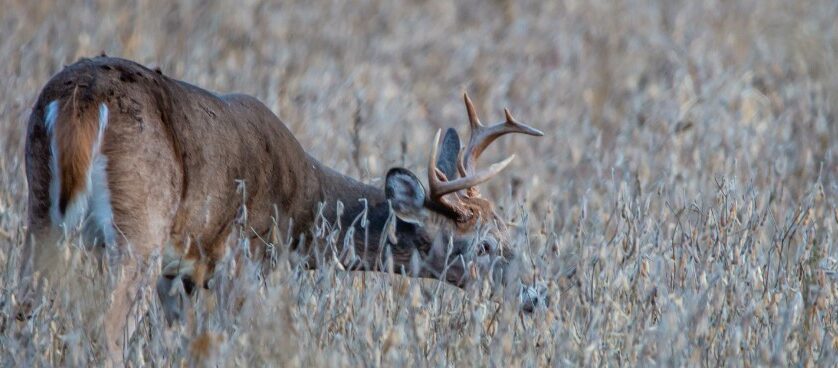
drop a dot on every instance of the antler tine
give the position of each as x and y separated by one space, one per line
482 136
473 120
519 127
440 185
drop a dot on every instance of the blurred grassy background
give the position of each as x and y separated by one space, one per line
688 173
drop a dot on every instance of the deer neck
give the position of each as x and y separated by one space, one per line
358 201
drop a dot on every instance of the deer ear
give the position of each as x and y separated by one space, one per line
447 160
406 194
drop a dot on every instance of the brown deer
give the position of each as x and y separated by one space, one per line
137 164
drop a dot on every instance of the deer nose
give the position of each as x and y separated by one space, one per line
486 246
534 297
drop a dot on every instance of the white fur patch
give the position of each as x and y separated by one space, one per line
101 212
54 184
52 112
100 220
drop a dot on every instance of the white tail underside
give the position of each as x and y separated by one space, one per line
89 211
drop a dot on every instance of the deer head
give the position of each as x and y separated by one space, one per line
469 240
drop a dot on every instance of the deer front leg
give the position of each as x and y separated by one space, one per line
177 282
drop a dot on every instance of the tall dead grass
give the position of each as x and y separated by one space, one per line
688 176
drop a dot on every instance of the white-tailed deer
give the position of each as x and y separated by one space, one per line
142 164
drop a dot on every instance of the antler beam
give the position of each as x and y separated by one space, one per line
480 137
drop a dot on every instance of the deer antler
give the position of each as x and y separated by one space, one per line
440 185
480 137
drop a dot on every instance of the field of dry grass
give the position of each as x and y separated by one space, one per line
688 174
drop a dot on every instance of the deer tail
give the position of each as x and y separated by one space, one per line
76 130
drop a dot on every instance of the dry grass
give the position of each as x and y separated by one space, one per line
689 174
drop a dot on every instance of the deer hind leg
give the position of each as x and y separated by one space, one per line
128 303
134 268
39 249
126 243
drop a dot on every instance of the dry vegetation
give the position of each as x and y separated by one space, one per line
688 176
